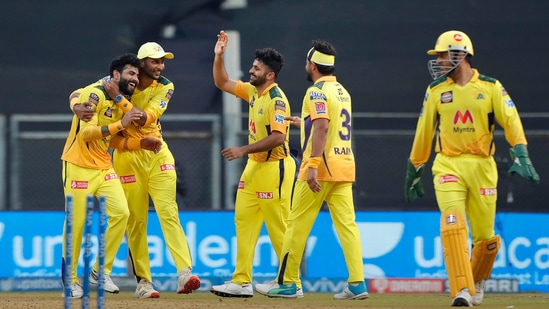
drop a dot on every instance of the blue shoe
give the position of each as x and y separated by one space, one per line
275 290
353 292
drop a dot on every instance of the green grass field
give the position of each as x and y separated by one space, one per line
46 300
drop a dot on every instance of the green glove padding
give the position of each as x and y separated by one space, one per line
522 164
413 187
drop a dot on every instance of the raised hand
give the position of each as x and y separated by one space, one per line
222 41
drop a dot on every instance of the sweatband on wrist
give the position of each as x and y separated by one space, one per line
132 143
313 162
115 127
125 105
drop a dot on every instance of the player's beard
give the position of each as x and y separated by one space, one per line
124 87
259 80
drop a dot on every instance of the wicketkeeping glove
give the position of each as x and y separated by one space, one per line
522 164
413 187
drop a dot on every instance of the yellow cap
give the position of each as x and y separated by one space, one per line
153 50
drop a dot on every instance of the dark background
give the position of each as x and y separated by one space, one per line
50 48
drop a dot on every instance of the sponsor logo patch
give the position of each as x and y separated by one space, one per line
79 184
163 104
279 118
509 103
111 176
94 98
504 92
108 112
167 167
128 179
241 184
169 94
463 117
447 178
488 191
446 97
320 107
451 219
264 195
280 105
314 95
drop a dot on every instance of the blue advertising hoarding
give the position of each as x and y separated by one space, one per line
394 245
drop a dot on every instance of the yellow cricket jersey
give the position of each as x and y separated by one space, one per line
154 101
85 146
266 114
330 100
464 118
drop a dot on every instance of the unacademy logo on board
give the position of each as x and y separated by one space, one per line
377 239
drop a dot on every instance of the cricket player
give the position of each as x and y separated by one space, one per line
326 174
145 174
265 187
461 107
87 167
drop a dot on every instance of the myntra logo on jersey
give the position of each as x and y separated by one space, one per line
463 117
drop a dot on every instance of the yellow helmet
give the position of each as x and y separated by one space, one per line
452 40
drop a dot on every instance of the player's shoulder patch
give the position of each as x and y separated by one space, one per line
164 81
275 93
315 95
101 89
488 79
438 81
280 105
319 85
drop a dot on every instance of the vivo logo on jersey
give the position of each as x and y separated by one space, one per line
447 178
128 179
79 184
167 167
463 117
446 97
264 195
488 191
111 176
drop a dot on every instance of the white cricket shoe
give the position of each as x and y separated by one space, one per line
108 285
479 293
231 289
187 282
463 299
145 290
275 290
299 293
353 292
76 291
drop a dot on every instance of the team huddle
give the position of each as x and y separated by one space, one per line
122 111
